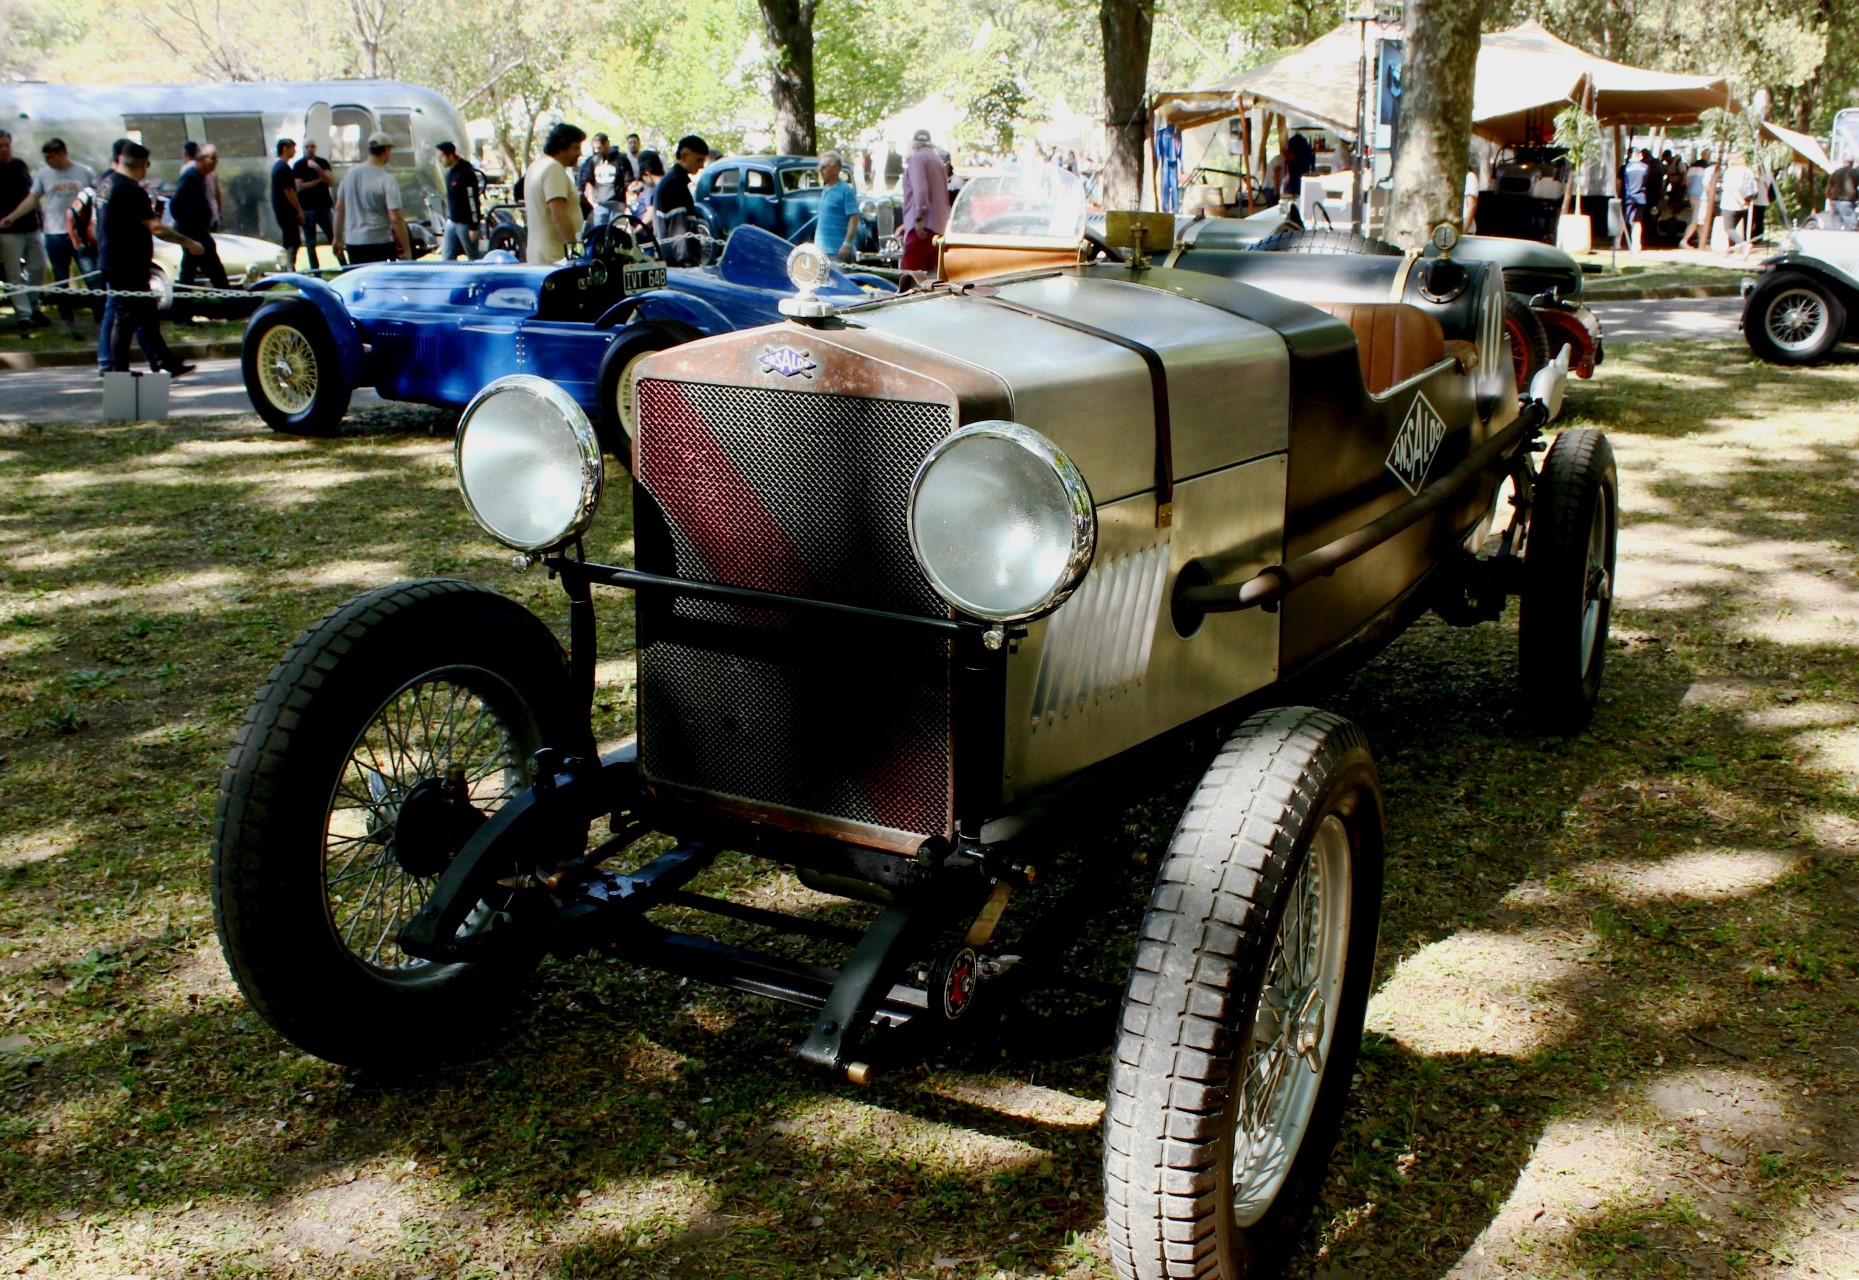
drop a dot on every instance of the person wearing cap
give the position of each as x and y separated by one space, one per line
461 204
674 206
926 203
551 206
369 224
836 231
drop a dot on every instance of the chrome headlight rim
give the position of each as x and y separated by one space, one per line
592 476
1082 510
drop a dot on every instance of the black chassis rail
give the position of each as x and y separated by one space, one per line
568 903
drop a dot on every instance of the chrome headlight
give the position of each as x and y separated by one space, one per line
528 463
1001 522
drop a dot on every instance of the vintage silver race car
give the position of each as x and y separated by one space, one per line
918 583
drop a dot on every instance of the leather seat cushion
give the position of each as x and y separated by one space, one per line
1394 341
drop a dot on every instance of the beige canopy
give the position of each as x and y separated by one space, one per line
1807 148
1317 82
1525 76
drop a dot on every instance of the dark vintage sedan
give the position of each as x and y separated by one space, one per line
779 194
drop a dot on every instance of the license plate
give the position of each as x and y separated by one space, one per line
644 275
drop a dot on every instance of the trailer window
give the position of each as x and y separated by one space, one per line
162 135
398 125
240 136
349 127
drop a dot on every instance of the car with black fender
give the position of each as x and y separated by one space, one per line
916 581
1806 301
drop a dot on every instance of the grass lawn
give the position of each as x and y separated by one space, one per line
1616 1030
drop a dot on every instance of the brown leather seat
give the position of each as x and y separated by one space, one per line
1394 340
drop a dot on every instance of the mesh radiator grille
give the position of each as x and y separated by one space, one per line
805 495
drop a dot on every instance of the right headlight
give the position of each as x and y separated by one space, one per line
529 463
1001 522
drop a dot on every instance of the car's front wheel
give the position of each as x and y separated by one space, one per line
1244 1008
388 732
1568 582
634 343
1794 319
292 371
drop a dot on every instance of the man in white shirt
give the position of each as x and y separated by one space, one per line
54 190
551 205
369 224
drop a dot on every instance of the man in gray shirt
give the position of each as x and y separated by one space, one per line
54 190
369 224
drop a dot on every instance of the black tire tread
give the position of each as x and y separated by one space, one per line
1325 240
1173 1059
1579 461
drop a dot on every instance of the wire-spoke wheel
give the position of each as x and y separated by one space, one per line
287 369
391 731
635 342
441 727
1294 1025
1244 1007
1793 318
293 372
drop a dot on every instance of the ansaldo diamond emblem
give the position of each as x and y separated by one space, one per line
787 362
1417 442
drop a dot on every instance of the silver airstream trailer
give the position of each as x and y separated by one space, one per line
245 122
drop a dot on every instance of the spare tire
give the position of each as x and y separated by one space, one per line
1327 240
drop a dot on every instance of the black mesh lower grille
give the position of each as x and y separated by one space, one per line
805 495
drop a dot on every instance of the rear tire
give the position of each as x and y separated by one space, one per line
1794 320
614 423
1529 341
509 237
313 874
293 373
1568 577
1228 1017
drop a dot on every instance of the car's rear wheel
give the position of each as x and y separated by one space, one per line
1794 320
1568 582
1244 1008
635 343
509 237
293 374
1529 341
337 815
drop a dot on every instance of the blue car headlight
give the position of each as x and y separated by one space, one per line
528 463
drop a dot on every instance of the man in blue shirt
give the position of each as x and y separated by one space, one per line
1634 197
837 230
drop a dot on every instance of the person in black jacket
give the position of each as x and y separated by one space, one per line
128 227
192 212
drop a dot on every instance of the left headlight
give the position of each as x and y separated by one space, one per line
1001 522
528 463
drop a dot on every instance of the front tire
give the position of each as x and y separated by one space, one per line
1244 1008
1794 320
293 373
615 421
1568 582
313 874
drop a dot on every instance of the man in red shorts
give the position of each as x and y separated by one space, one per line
926 203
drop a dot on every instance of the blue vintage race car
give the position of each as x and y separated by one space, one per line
438 332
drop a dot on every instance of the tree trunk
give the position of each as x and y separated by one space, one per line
789 24
1434 140
1127 26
